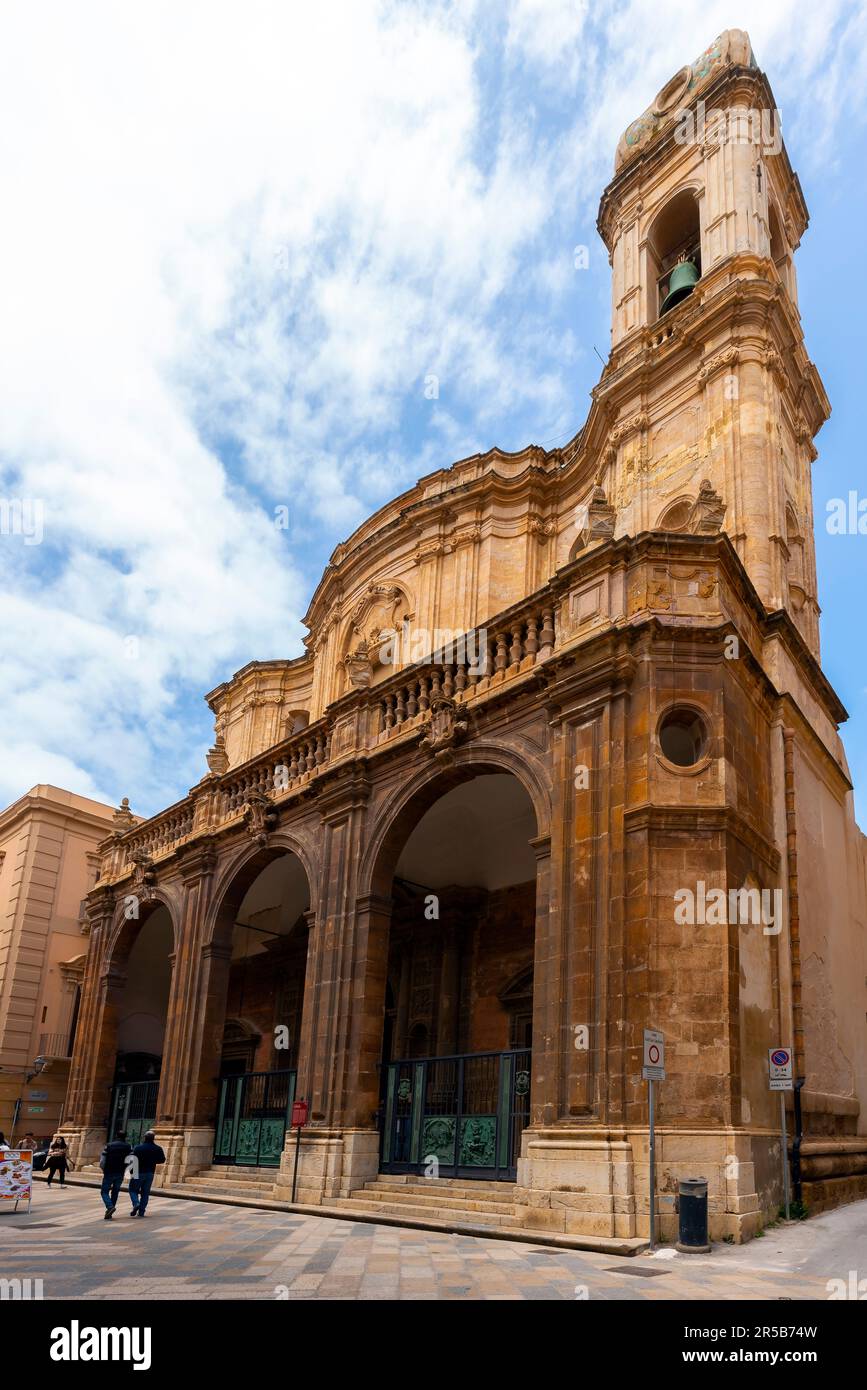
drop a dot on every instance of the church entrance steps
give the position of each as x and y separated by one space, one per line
237 1182
436 1194
484 1203
477 1216
498 1191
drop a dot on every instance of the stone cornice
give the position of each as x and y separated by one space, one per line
650 818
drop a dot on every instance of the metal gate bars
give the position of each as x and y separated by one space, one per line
252 1118
456 1116
133 1109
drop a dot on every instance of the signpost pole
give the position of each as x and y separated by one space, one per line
652 1168
780 1062
785 1152
295 1168
300 1113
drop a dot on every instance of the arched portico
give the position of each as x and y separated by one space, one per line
452 881
252 967
126 1005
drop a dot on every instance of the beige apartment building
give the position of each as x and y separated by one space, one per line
48 863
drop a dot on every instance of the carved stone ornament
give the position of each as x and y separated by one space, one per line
359 667
218 758
374 619
727 358
143 874
445 728
600 520
708 511
260 817
123 818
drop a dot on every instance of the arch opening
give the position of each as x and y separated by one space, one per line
674 262
263 929
142 962
456 1041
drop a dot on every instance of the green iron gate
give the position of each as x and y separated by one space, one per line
254 1112
133 1109
467 1112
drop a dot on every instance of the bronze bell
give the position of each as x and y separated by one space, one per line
684 279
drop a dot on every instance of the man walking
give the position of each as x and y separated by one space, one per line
112 1161
146 1156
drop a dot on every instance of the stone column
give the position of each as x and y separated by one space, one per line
92 1068
344 1003
194 1029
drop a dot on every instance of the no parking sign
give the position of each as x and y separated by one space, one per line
654 1055
780 1068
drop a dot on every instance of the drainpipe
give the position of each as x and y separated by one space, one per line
794 954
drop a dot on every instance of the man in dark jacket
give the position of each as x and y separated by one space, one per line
112 1161
145 1157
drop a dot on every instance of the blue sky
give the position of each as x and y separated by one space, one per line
243 237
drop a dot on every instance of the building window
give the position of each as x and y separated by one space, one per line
683 737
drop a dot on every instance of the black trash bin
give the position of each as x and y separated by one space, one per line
692 1216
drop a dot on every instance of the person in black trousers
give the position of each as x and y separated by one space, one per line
147 1155
112 1161
58 1160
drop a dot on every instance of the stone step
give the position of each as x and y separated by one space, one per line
436 1200
481 1184
231 1189
417 1212
233 1174
449 1187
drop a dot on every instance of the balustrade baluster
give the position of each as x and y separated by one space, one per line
532 643
546 636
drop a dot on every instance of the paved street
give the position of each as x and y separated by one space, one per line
186 1249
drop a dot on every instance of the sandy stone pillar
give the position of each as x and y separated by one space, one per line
194 1029
344 1003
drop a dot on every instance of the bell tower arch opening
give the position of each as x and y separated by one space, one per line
673 251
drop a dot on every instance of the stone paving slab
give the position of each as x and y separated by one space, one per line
612 1245
186 1251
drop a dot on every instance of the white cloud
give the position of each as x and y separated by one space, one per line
236 240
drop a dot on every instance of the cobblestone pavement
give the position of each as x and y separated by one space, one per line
185 1249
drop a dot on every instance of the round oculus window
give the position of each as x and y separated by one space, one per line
683 737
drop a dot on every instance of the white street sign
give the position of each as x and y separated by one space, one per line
654 1056
780 1068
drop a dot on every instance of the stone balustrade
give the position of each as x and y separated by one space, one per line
469 665
479 660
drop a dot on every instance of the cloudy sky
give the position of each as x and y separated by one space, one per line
237 238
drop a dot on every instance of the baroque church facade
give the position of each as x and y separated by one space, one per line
436 881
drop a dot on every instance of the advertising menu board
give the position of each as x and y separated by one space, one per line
16 1178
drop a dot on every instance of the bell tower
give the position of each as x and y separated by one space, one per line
711 399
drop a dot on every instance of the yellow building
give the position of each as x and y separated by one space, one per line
48 862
